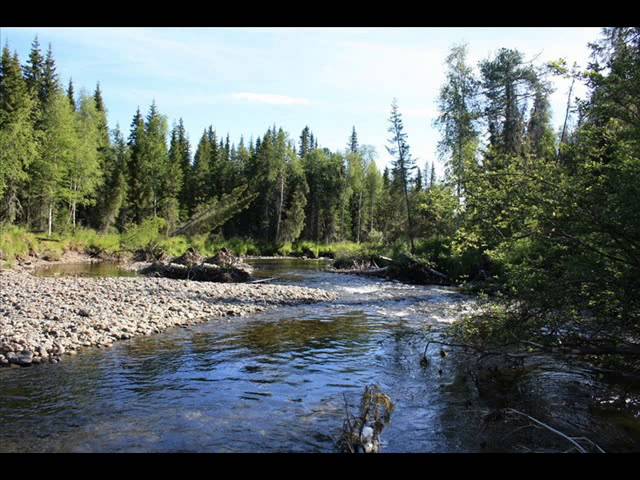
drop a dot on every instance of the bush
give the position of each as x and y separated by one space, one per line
16 243
139 237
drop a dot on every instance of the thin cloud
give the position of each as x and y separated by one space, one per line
269 98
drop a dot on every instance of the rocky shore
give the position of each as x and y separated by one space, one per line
42 319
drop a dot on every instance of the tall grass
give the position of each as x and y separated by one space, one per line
16 243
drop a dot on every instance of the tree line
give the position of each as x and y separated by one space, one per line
549 217
63 167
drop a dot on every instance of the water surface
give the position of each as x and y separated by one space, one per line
273 382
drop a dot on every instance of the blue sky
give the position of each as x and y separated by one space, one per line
242 80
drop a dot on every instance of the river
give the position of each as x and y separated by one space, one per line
272 382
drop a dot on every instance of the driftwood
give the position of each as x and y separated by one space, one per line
361 434
262 280
202 273
405 269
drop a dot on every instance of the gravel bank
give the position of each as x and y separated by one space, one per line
42 319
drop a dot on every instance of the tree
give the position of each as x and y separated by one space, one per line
373 190
154 163
540 137
50 83
198 180
459 111
83 174
305 142
355 191
59 144
403 164
507 83
133 208
115 182
180 154
71 95
432 176
417 187
353 142
34 72
18 141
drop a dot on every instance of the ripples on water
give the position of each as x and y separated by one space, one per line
265 383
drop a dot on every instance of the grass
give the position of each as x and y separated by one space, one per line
148 239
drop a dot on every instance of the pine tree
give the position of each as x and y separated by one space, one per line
540 137
136 177
71 95
155 159
180 153
18 142
50 82
103 127
305 143
353 141
506 85
34 73
459 112
113 202
417 186
403 164
199 177
432 176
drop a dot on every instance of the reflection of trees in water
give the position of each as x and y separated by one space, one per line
146 360
346 333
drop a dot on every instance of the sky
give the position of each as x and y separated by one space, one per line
244 80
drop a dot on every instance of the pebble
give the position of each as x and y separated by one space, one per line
43 318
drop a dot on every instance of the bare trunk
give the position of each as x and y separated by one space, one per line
410 226
359 217
50 219
566 117
280 207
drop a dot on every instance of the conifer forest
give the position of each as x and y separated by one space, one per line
536 227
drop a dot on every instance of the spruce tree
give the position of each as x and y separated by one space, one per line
50 82
113 202
34 72
458 104
136 178
506 85
305 142
403 164
18 145
417 187
71 95
432 176
353 141
540 137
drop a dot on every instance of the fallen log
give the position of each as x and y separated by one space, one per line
204 272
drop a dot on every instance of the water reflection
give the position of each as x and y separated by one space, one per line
84 269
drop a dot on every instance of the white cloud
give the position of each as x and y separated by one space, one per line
269 98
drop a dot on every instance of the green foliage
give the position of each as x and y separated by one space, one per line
149 232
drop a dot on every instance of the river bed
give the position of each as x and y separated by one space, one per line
270 382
